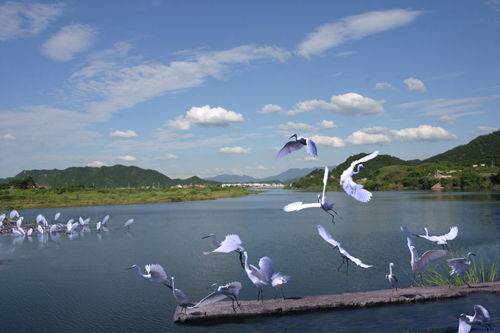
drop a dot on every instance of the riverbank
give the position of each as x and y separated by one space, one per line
47 198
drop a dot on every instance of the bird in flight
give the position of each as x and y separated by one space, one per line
350 187
297 144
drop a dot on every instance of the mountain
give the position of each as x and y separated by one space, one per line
289 174
226 178
105 176
483 149
285 176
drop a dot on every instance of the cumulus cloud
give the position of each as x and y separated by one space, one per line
364 137
26 19
206 116
351 28
414 84
69 41
96 164
383 85
382 135
487 129
124 134
271 108
8 137
127 158
171 157
348 104
331 141
447 119
327 124
234 150
292 126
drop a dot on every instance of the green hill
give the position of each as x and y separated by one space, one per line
116 176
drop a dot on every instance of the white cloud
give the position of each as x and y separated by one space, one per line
332 141
271 108
124 134
291 126
383 135
311 158
447 119
69 41
487 129
383 85
348 104
26 19
171 157
361 138
9 137
96 164
234 150
414 84
351 28
345 54
327 124
127 158
206 116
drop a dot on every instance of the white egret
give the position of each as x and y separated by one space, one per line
278 281
261 276
459 266
56 217
296 144
2 218
39 229
84 222
98 226
17 232
13 214
180 297
464 325
346 257
53 228
231 243
29 232
154 273
350 187
230 290
105 220
393 280
443 239
480 318
19 221
128 223
70 226
40 219
418 264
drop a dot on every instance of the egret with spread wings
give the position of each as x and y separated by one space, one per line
260 276
459 266
480 318
297 144
419 263
350 187
230 290
232 243
443 239
154 273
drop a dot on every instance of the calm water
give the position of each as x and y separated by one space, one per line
82 285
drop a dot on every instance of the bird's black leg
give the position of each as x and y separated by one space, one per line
347 268
232 303
262 295
237 302
341 264
283 293
241 259
258 295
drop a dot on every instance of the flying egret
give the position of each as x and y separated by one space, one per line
154 273
459 266
40 219
180 297
230 290
346 257
392 278
261 276
70 226
105 220
56 217
480 318
322 203
278 281
418 264
128 223
232 243
84 222
296 144
13 214
443 239
350 187
98 226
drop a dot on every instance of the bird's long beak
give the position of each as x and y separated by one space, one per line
205 237
241 260
133 266
293 136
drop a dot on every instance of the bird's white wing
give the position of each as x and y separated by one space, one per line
431 255
365 158
452 234
299 205
229 244
429 238
128 222
326 236
356 190
256 272
311 147
288 148
13 214
266 268
355 260
2 217
105 220
157 271
463 326
455 262
180 296
325 180
232 288
56 217
212 298
481 313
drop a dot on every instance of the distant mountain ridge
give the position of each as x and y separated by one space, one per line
284 176
105 176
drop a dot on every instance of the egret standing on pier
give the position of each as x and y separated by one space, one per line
261 276
392 278
418 264
231 290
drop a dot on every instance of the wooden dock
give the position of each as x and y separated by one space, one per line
223 312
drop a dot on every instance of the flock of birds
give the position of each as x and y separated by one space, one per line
263 274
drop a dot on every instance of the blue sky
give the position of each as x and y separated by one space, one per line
204 88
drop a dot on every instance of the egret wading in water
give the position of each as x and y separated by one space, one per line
278 281
459 266
232 243
230 290
261 276
180 297
419 263
154 273
346 257
392 278
350 187
322 203
443 239
297 144
481 318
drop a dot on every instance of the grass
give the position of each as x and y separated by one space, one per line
477 273
35 198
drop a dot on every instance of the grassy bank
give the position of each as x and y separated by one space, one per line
33 198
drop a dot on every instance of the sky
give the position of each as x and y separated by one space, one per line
211 87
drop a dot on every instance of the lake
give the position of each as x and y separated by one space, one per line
82 284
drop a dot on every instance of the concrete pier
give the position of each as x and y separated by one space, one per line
223 311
